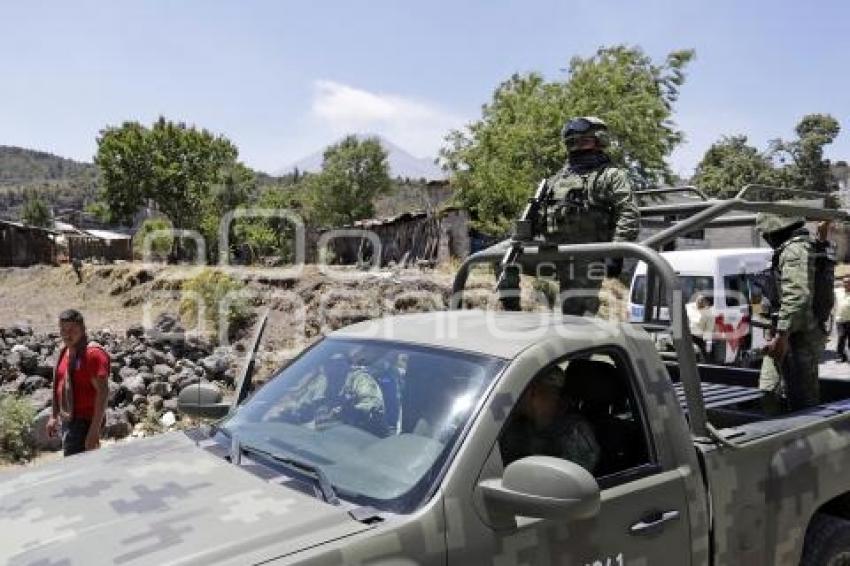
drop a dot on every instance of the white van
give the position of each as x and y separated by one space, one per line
732 279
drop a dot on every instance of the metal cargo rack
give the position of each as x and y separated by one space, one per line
703 213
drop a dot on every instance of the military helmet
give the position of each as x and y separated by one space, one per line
769 223
585 126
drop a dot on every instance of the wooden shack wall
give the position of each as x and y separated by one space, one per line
89 247
409 239
22 246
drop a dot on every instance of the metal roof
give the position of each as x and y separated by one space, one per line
494 333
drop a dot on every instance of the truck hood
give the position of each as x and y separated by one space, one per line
163 500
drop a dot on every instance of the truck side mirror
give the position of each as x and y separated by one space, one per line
202 400
545 488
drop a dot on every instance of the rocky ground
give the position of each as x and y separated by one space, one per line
151 364
149 367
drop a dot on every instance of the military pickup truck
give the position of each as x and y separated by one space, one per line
384 443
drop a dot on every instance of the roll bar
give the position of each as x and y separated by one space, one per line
706 213
681 335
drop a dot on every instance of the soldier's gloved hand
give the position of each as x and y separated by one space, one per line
778 347
613 267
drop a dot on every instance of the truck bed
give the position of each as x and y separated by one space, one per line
717 395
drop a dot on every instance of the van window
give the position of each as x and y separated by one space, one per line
747 287
691 285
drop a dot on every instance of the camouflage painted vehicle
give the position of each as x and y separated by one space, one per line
403 464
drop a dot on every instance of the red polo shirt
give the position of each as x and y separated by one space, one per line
95 363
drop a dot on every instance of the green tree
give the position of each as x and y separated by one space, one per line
731 163
354 172
270 236
35 212
157 233
496 161
175 166
805 166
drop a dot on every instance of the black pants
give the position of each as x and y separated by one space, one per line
843 337
74 434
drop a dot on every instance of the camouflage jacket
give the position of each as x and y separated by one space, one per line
359 402
571 438
609 211
793 265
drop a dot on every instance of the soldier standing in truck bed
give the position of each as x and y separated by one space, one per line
595 202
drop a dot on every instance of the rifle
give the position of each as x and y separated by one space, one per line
528 227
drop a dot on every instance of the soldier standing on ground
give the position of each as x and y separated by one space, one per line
790 368
595 203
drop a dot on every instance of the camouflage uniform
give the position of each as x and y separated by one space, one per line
359 402
606 211
570 438
796 376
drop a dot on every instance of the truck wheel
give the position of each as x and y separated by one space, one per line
827 542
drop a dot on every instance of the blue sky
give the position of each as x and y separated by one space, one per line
283 79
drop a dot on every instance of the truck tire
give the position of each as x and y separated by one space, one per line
827 542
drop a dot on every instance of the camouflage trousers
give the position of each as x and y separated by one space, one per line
794 381
583 289
580 282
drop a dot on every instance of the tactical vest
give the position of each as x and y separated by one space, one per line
822 257
578 216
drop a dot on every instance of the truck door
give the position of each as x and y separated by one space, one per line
642 517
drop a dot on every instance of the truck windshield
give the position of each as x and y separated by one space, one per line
380 418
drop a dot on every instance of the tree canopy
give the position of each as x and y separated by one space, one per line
805 166
496 160
354 172
35 212
731 163
180 168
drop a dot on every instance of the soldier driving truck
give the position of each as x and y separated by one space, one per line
690 468
588 200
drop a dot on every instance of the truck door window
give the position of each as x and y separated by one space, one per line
591 418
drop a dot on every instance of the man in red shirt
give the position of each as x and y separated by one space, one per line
80 387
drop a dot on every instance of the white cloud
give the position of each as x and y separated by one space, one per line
417 126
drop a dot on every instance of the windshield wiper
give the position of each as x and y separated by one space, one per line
325 485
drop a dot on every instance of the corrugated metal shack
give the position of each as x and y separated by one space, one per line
101 245
406 239
22 245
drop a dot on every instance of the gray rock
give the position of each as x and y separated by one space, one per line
114 394
162 372
135 331
139 400
29 360
147 377
39 431
156 402
44 368
117 425
131 414
215 366
21 330
14 385
41 398
33 382
170 405
126 373
135 384
159 388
